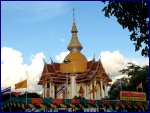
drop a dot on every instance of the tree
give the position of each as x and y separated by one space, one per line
134 16
114 92
136 75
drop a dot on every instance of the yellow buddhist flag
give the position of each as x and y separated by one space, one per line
22 84
139 86
90 91
94 89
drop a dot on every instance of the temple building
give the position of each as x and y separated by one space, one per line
75 76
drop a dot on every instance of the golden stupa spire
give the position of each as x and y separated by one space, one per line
74 45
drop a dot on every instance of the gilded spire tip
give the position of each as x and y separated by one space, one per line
73 15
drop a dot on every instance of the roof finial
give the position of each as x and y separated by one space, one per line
94 57
44 61
73 15
51 60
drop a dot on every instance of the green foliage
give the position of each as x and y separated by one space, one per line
115 89
136 75
134 16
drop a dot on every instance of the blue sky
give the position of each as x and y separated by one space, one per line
32 27
31 30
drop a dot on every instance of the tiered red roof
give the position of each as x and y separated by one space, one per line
51 72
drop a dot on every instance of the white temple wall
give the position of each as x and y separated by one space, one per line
78 87
85 91
95 93
88 90
91 95
53 91
43 94
98 91
105 90
73 90
69 91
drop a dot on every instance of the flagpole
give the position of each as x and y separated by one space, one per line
10 100
121 88
26 90
142 86
96 103
121 84
26 98
66 85
66 61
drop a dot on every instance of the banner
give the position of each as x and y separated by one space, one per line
139 86
94 89
22 84
6 91
61 89
132 96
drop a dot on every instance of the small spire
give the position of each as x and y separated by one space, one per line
94 57
99 60
44 61
45 65
51 60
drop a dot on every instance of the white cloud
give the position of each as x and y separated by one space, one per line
113 62
146 62
35 71
8 54
60 57
13 69
90 58
118 77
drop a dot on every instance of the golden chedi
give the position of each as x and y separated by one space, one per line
74 62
